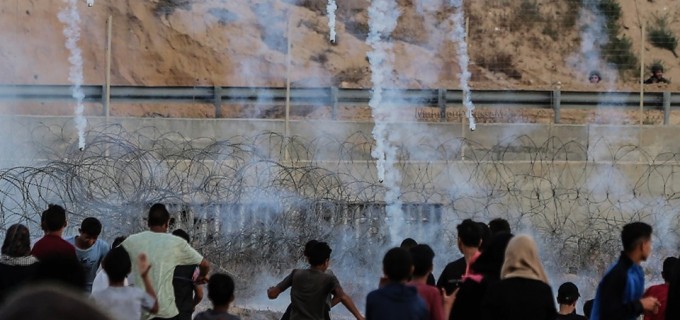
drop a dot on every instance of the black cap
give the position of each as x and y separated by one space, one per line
567 293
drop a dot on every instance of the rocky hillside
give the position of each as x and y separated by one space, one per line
523 44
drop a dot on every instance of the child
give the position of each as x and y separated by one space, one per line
310 287
125 302
221 294
394 300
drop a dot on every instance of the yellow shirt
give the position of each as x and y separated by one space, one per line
164 252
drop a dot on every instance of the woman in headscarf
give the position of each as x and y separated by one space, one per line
17 265
523 292
485 272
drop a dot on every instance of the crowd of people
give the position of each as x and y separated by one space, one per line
82 277
157 275
499 277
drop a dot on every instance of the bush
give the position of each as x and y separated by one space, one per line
168 7
618 51
500 62
526 16
660 34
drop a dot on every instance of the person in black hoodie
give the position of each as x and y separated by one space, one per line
523 292
17 265
395 300
486 272
673 302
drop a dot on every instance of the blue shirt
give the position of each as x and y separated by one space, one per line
618 295
90 258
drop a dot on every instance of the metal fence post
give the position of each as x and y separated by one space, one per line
218 101
666 108
557 96
441 102
334 103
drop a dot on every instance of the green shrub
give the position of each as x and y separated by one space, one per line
660 35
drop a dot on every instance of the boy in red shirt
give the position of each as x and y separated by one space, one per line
660 291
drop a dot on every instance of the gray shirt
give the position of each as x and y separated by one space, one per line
90 258
309 293
124 303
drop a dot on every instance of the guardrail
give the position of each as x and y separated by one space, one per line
335 97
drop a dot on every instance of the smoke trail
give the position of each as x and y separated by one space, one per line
71 19
331 8
458 37
382 19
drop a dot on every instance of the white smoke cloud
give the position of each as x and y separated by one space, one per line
382 20
331 8
70 17
459 37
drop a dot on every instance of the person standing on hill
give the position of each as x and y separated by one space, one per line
619 294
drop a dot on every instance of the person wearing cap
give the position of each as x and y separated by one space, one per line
567 295
657 75
661 291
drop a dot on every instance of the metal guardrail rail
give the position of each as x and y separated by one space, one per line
335 97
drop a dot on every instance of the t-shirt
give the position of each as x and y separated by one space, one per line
571 316
51 245
164 252
661 293
214 315
124 303
433 299
310 290
101 281
90 259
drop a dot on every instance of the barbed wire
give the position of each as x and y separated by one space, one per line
251 202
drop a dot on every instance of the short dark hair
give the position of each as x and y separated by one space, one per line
117 241
319 253
158 215
54 218
220 289
469 233
17 241
486 235
422 256
397 264
668 267
308 247
182 234
633 234
499 225
408 243
91 226
117 264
